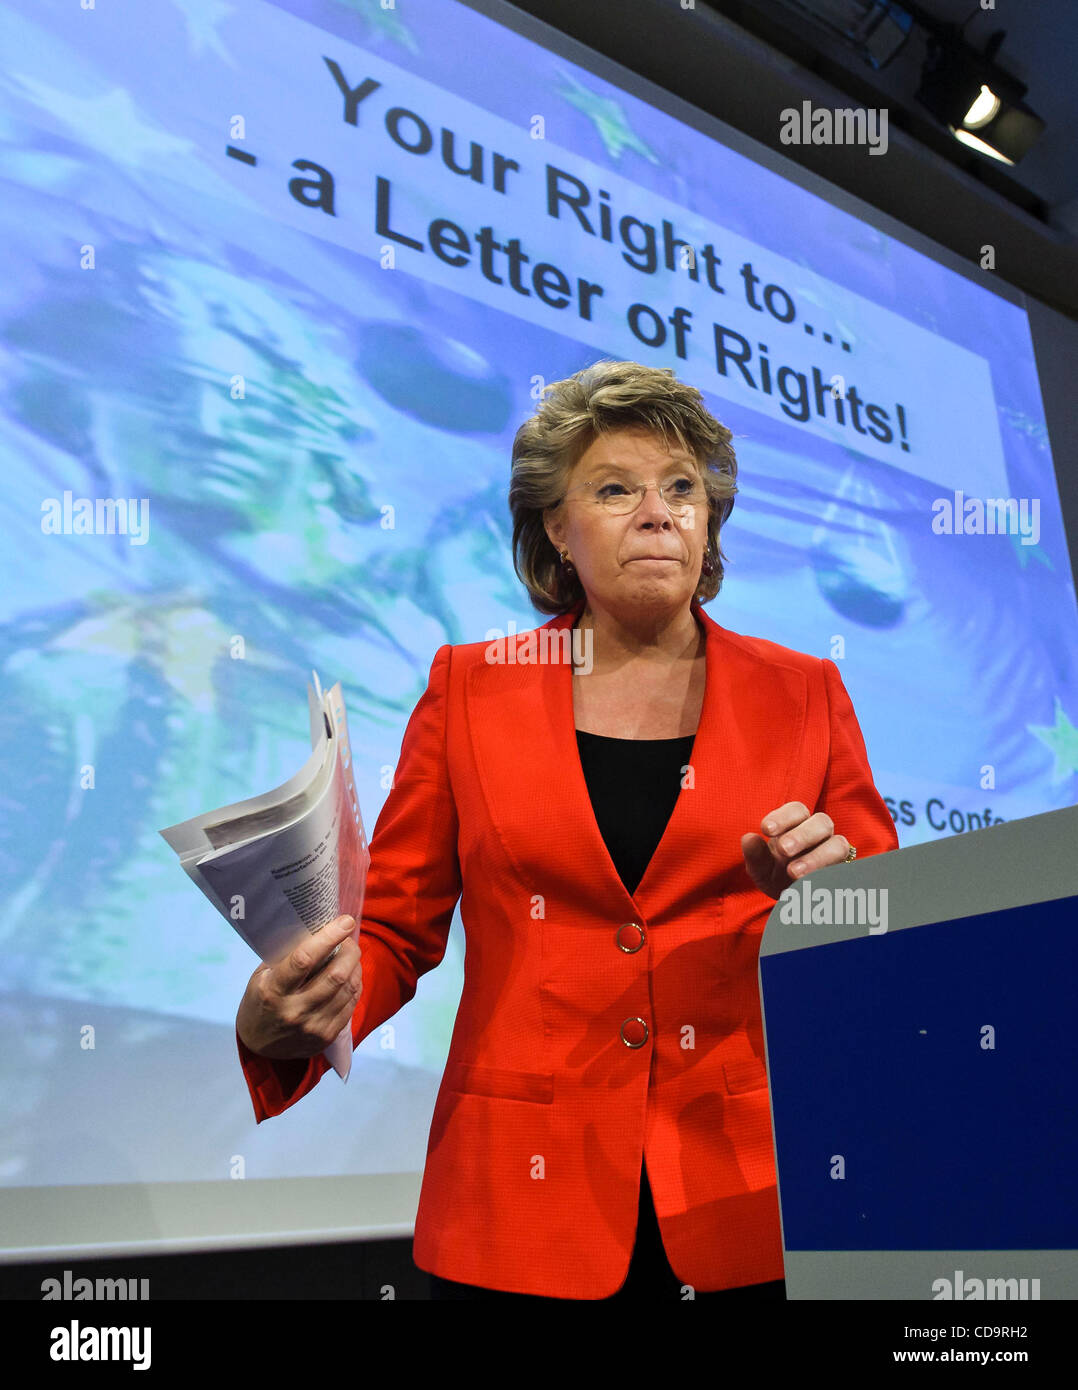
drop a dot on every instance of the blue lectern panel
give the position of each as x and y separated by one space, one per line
864 1034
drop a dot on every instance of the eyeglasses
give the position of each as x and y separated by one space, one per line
681 495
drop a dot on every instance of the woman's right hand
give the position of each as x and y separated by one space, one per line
296 1007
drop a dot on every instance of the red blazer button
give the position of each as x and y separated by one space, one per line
634 1032
630 937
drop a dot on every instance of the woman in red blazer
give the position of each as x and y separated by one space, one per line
616 798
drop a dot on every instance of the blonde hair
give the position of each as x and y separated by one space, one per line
603 397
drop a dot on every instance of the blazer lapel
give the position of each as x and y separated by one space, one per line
523 731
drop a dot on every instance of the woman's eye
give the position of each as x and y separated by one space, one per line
607 489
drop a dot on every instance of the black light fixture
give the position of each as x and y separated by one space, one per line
980 104
876 29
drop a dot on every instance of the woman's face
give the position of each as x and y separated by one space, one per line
649 558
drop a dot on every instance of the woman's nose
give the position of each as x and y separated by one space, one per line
652 508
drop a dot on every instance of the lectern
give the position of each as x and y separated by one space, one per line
921 1026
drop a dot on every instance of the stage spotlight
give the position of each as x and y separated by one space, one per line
980 104
983 110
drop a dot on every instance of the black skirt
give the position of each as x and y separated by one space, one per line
650 1278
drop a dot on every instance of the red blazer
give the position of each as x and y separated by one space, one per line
595 1027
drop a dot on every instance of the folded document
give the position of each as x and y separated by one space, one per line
280 866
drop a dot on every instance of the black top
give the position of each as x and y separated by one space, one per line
633 784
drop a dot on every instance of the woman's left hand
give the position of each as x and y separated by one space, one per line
793 844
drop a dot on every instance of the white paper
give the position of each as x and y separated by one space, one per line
282 865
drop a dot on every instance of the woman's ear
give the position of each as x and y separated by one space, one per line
554 525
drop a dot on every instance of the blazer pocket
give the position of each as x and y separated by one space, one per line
474 1080
750 1075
